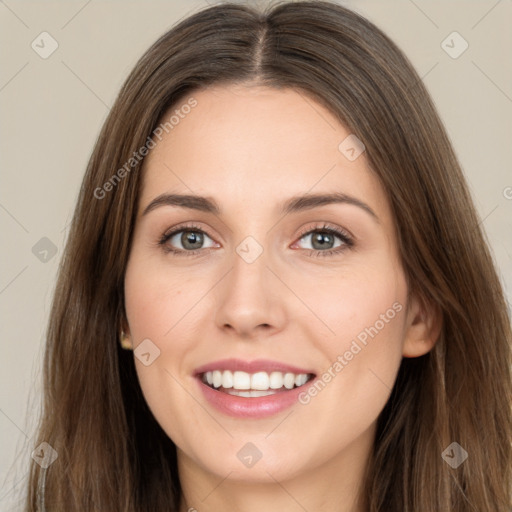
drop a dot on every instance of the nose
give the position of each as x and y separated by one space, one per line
250 299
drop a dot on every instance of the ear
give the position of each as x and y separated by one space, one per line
124 334
423 327
123 323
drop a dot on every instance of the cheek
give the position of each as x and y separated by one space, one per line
154 300
150 318
364 304
362 351
363 356
159 307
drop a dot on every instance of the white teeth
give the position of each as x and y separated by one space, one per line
260 380
256 384
217 379
276 380
301 379
227 379
289 380
241 380
251 393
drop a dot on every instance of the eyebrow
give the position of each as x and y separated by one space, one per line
292 205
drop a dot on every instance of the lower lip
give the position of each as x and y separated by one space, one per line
246 407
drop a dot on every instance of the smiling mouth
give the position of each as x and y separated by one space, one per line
252 385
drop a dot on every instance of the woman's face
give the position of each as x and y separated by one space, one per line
265 291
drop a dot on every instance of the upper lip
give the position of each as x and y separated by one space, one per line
258 365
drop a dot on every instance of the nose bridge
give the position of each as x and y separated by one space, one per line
250 272
249 295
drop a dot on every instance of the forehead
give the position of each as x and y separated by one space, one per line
255 146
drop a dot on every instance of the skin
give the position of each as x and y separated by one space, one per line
250 148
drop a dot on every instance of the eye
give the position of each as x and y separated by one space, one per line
191 238
323 240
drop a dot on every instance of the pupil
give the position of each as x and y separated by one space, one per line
191 237
322 238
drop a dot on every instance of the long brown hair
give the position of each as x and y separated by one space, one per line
112 454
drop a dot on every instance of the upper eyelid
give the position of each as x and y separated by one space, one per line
338 230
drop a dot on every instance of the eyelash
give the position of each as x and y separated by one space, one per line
347 240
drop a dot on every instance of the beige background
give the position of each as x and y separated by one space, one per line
52 110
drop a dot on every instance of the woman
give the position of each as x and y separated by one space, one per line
366 371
